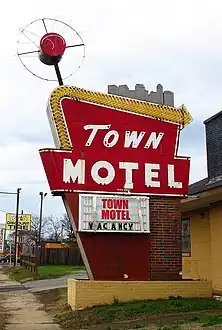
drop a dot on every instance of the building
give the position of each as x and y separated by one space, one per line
140 93
202 215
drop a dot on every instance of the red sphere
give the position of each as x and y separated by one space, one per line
53 45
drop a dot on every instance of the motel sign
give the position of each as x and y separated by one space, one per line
116 167
116 152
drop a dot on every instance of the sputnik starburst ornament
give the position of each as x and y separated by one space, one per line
50 40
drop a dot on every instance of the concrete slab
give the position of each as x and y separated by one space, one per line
32 317
21 296
3 283
23 309
51 326
26 306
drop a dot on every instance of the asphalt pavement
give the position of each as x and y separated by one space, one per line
54 283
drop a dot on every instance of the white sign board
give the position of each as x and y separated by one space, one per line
118 214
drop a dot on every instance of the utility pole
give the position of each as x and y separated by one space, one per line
11 193
16 224
42 196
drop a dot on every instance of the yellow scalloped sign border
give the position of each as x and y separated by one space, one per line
157 111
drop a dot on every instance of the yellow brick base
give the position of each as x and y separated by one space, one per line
83 294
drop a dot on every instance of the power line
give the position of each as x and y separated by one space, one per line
8 193
5 211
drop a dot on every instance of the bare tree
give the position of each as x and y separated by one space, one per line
32 236
67 227
54 228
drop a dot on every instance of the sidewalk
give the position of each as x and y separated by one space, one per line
54 283
23 309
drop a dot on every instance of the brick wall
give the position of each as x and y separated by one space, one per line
83 294
213 128
165 239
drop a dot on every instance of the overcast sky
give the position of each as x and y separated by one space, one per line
173 42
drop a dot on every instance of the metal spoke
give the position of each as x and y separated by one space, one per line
22 31
53 25
31 52
78 45
25 43
33 33
29 56
63 28
43 21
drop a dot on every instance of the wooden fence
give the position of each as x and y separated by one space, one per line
32 257
30 260
66 256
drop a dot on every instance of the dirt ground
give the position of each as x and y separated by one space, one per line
55 302
3 319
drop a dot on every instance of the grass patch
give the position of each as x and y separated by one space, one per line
204 321
58 270
56 304
155 307
22 275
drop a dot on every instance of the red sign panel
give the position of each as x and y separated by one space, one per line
117 152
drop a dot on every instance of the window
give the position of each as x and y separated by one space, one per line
186 244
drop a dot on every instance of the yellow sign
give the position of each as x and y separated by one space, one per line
24 221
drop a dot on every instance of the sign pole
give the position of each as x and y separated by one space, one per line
16 225
4 240
40 216
58 74
42 196
10 251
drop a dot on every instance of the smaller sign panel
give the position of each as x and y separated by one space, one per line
108 213
24 221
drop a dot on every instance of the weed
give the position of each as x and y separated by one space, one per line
115 301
